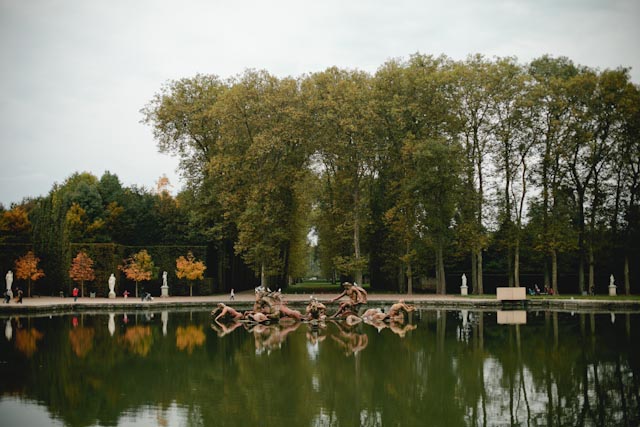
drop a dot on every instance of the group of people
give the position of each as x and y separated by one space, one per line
535 290
8 293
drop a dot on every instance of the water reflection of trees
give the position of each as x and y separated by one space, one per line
138 339
27 340
189 337
81 340
451 370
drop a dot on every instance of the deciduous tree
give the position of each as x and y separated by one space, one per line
27 269
139 267
81 270
191 269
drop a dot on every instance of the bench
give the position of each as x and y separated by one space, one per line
511 294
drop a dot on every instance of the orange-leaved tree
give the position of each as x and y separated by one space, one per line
81 270
190 269
27 269
138 267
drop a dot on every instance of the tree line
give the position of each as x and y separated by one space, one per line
426 167
425 163
57 238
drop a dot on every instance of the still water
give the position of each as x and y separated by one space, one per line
447 368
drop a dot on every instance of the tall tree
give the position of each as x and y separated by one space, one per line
513 145
437 184
259 169
549 120
474 97
340 105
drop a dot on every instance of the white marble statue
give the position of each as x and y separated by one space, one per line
9 279
164 288
464 279
112 285
612 281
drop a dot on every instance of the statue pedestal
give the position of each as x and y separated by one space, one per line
612 290
164 291
112 294
464 290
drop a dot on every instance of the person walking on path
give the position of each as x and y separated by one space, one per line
232 296
19 297
75 294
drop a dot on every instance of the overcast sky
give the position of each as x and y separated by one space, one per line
75 73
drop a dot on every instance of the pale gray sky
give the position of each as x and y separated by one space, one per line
75 73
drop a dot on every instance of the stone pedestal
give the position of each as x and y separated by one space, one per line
612 290
112 295
164 291
464 290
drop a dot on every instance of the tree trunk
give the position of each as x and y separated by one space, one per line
591 268
437 269
442 283
581 274
510 273
627 287
263 276
547 280
409 279
516 263
479 268
190 289
474 272
554 271
136 289
357 276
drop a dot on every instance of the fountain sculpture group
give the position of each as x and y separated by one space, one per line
269 306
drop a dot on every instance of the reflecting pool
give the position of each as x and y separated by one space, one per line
445 368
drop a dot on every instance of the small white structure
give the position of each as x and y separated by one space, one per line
164 289
612 286
511 294
112 286
464 289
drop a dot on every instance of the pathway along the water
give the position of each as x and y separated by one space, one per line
57 304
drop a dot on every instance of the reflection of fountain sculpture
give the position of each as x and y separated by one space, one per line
270 337
223 329
350 341
357 296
